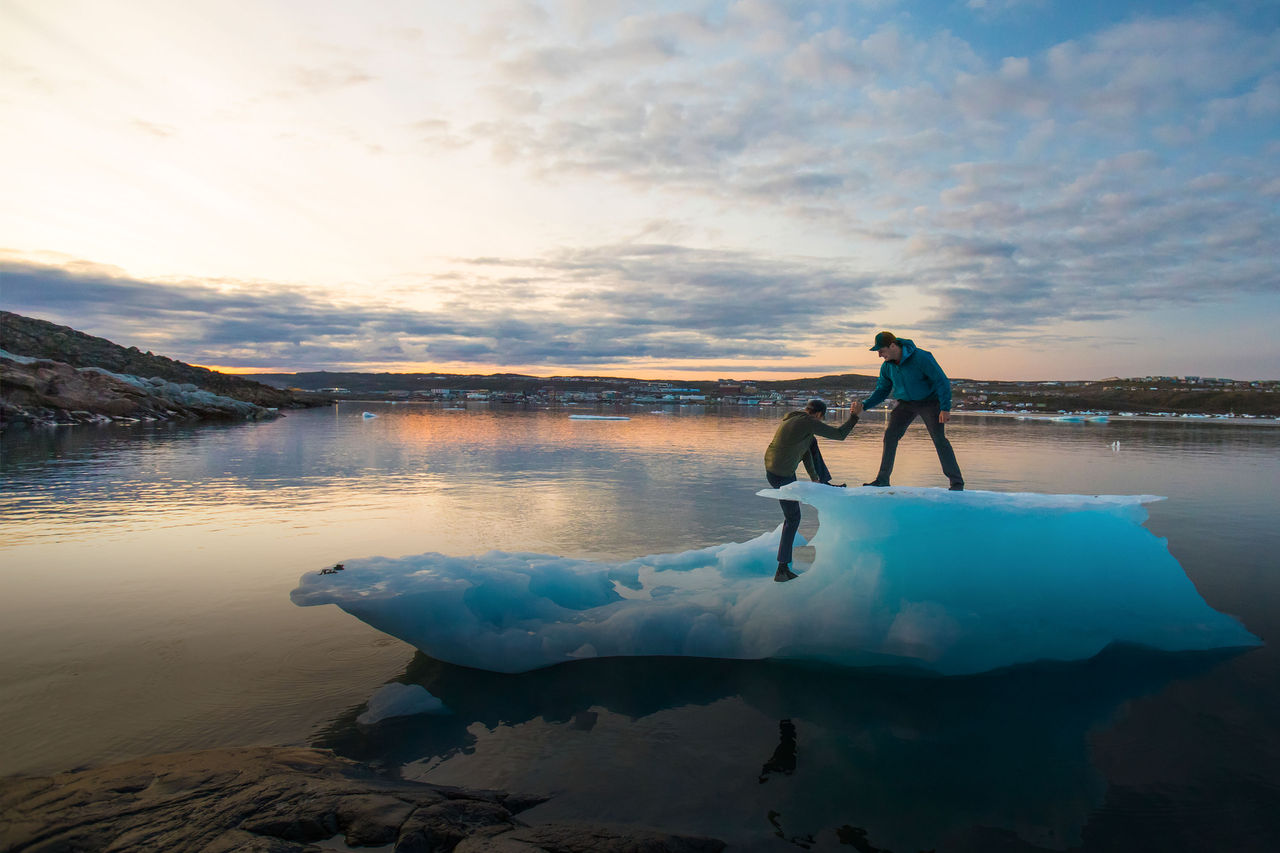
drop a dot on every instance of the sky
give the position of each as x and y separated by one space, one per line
1028 189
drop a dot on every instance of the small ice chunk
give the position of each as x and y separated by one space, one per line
399 700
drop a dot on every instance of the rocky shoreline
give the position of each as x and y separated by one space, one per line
287 799
42 392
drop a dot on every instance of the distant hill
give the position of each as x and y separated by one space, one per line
839 382
34 338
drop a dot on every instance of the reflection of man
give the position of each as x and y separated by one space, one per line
916 381
794 443
783 759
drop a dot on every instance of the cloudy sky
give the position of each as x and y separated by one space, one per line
1028 188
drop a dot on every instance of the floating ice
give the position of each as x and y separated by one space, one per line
399 700
367 415
951 582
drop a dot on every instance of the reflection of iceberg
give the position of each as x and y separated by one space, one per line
950 582
1006 749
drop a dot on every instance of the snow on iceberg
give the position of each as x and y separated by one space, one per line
949 582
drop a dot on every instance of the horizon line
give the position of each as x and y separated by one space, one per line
605 376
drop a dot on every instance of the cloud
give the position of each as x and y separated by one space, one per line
599 306
849 126
322 79
632 182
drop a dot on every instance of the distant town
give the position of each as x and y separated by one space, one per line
1149 395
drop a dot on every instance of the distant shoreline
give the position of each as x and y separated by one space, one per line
1028 415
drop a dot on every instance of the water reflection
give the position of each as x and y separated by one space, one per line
845 751
147 573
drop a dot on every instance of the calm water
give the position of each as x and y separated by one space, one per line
147 574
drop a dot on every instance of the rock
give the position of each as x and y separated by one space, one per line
373 820
38 339
281 800
573 837
43 392
443 826
285 797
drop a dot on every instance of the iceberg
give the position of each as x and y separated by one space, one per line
943 582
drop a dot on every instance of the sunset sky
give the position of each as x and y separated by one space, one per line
1028 188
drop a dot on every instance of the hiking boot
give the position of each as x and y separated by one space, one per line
784 573
877 483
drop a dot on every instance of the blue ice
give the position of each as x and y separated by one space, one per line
947 582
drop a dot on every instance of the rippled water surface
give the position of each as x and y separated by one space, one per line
147 573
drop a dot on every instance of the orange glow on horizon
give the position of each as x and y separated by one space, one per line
618 372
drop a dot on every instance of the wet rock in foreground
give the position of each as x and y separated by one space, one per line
279 799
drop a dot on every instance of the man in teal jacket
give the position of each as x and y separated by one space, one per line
912 376
794 443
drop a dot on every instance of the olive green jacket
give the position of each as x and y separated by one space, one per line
790 445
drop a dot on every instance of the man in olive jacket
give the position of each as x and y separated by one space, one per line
914 379
794 443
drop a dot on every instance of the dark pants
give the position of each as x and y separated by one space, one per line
901 416
791 509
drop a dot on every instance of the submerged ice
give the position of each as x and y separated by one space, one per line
951 582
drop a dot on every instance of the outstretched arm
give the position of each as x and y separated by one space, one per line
883 386
839 433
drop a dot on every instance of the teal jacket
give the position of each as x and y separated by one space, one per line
917 377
